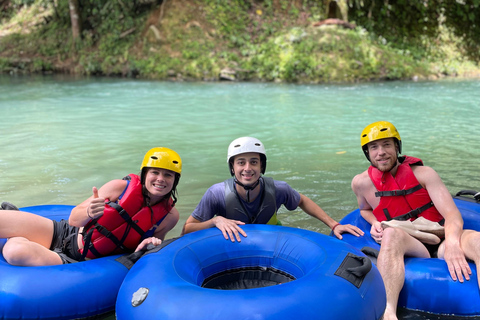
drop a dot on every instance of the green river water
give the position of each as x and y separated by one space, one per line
61 135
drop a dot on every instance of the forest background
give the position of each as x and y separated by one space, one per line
304 41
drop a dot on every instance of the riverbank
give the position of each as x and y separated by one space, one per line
188 40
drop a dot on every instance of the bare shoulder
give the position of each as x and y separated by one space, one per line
171 219
174 214
167 224
360 181
112 189
425 174
364 190
422 169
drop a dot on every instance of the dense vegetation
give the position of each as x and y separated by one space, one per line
266 40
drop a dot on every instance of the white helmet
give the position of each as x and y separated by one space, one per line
245 145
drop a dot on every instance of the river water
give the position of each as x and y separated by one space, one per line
62 135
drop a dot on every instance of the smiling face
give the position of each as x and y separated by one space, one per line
247 168
383 154
159 182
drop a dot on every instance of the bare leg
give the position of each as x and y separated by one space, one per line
20 251
470 243
23 224
395 245
30 237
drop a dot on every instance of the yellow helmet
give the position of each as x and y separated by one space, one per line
163 158
379 130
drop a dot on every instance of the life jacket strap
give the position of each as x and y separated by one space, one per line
411 214
109 235
88 245
124 214
393 193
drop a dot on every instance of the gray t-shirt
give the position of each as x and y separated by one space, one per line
213 201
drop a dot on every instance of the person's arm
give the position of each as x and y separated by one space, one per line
443 201
167 224
312 209
193 224
206 215
229 228
93 207
359 187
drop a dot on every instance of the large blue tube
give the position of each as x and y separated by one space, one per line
168 284
71 291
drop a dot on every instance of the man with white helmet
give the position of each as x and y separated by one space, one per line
399 197
249 197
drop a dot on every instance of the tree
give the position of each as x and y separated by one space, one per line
75 19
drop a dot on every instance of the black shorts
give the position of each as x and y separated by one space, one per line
64 242
432 249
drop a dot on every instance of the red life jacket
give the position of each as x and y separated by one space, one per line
122 225
402 196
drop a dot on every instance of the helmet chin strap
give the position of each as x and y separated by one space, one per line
247 188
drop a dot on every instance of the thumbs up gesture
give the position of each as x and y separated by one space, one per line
96 206
95 192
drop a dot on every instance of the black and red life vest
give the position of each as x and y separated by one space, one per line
402 197
122 225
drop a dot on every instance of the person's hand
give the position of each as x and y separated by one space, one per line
96 207
456 262
342 228
230 228
376 231
147 241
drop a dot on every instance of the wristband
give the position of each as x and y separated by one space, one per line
333 229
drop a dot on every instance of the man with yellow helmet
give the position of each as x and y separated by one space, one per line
395 190
135 211
250 197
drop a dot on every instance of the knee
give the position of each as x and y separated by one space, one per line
473 242
392 240
15 251
392 236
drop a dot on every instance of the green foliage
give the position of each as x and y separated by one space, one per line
267 40
19 3
4 65
396 20
408 24
311 55
464 19
39 65
156 66
229 19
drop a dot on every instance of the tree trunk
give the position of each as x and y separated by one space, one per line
75 18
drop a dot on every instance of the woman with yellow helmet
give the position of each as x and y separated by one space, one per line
124 215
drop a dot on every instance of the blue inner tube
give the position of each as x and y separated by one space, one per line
428 286
71 291
314 281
